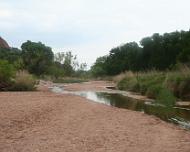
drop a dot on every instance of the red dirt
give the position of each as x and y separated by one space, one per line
48 122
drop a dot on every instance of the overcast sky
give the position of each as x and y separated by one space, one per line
90 28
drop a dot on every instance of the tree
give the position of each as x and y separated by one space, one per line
68 61
37 57
160 52
13 56
184 56
99 69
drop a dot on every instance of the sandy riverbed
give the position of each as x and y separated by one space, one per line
47 122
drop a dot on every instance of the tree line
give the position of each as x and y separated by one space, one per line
39 59
158 52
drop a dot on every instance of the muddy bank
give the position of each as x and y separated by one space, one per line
46 122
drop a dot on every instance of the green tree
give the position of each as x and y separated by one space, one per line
13 56
68 62
37 57
160 52
99 69
184 56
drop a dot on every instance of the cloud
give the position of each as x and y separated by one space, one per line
92 27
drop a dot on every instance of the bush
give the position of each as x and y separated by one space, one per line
149 81
129 83
179 82
7 73
153 91
24 82
166 97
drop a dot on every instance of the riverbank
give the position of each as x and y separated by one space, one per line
44 121
167 88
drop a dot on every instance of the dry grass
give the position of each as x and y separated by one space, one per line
152 83
24 82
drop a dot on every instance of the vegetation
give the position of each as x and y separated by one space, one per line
165 87
153 65
37 57
7 73
24 82
156 54
159 52
36 60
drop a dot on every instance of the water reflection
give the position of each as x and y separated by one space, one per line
177 115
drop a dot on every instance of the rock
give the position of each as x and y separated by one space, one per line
3 43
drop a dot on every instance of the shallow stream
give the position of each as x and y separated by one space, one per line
176 115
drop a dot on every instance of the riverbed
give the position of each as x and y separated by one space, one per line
43 121
108 95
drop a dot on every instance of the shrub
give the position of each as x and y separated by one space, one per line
152 83
166 97
24 82
179 82
7 72
121 76
153 91
129 83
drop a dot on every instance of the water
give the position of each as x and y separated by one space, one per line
177 115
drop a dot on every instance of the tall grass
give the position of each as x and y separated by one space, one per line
165 87
24 82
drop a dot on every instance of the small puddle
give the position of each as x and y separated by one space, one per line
176 115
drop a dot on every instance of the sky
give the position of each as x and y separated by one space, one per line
89 28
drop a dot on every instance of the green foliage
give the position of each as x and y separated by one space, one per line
7 71
68 62
160 52
98 69
69 65
184 56
130 84
153 91
37 57
164 87
166 97
56 70
23 82
13 56
179 83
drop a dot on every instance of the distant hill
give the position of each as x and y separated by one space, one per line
3 43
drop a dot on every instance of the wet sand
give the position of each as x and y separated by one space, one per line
48 122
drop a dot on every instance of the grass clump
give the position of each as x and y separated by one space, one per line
179 83
166 97
24 82
153 91
129 82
